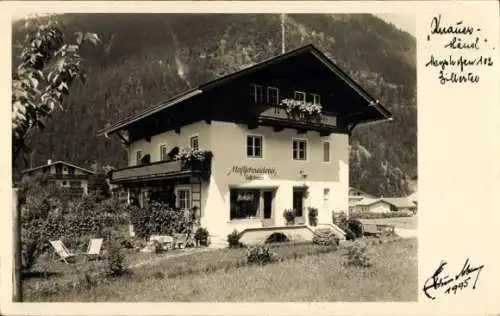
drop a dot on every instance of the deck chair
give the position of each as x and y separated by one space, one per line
63 252
94 249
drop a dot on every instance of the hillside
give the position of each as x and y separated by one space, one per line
146 58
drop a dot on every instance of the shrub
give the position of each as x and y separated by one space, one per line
313 216
233 239
115 260
357 255
161 219
326 238
340 219
201 236
356 227
260 255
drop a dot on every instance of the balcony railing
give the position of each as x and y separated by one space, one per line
278 114
162 170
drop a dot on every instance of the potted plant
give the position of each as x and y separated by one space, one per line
194 157
307 110
313 216
289 215
201 236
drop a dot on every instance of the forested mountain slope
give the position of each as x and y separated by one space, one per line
146 58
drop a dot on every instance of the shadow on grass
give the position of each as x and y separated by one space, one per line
27 275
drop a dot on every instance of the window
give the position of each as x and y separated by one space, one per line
71 170
194 142
64 183
300 96
138 156
254 146
299 149
316 99
163 152
256 93
59 170
184 199
273 95
326 151
244 203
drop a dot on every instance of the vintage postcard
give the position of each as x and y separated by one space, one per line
213 158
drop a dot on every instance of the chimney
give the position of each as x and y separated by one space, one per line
49 161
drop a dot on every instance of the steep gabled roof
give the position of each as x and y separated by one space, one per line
55 163
311 49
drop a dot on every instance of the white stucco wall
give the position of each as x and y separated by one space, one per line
227 141
171 139
277 154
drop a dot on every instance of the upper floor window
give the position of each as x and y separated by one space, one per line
316 98
299 149
254 146
59 170
326 151
138 157
256 93
300 96
194 142
184 199
71 171
163 152
273 95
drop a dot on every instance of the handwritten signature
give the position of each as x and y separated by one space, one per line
451 284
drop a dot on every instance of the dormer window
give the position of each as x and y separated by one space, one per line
256 93
273 95
316 99
300 96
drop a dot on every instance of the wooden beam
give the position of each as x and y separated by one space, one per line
148 139
278 128
324 133
177 130
208 121
301 130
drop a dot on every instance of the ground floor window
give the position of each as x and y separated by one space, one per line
184 198
245 203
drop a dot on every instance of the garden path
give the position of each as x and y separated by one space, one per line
187 251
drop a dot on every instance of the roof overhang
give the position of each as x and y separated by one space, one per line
374 112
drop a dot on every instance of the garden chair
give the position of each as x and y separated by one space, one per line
180 240
63 252
94 249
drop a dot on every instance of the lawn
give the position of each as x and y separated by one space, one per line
409 222
306 276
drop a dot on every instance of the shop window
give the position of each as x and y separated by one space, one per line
245 203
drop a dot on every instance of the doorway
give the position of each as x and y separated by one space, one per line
299 195
267 207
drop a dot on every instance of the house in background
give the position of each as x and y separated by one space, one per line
71 180
402 204
372 206
254 143
356 195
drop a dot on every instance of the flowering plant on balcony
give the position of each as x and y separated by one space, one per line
297 108
189 156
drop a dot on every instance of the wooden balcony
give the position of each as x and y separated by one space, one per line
277 116
169 169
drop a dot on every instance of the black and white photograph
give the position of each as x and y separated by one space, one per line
215 157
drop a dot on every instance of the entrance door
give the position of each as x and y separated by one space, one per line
267 197
298 205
